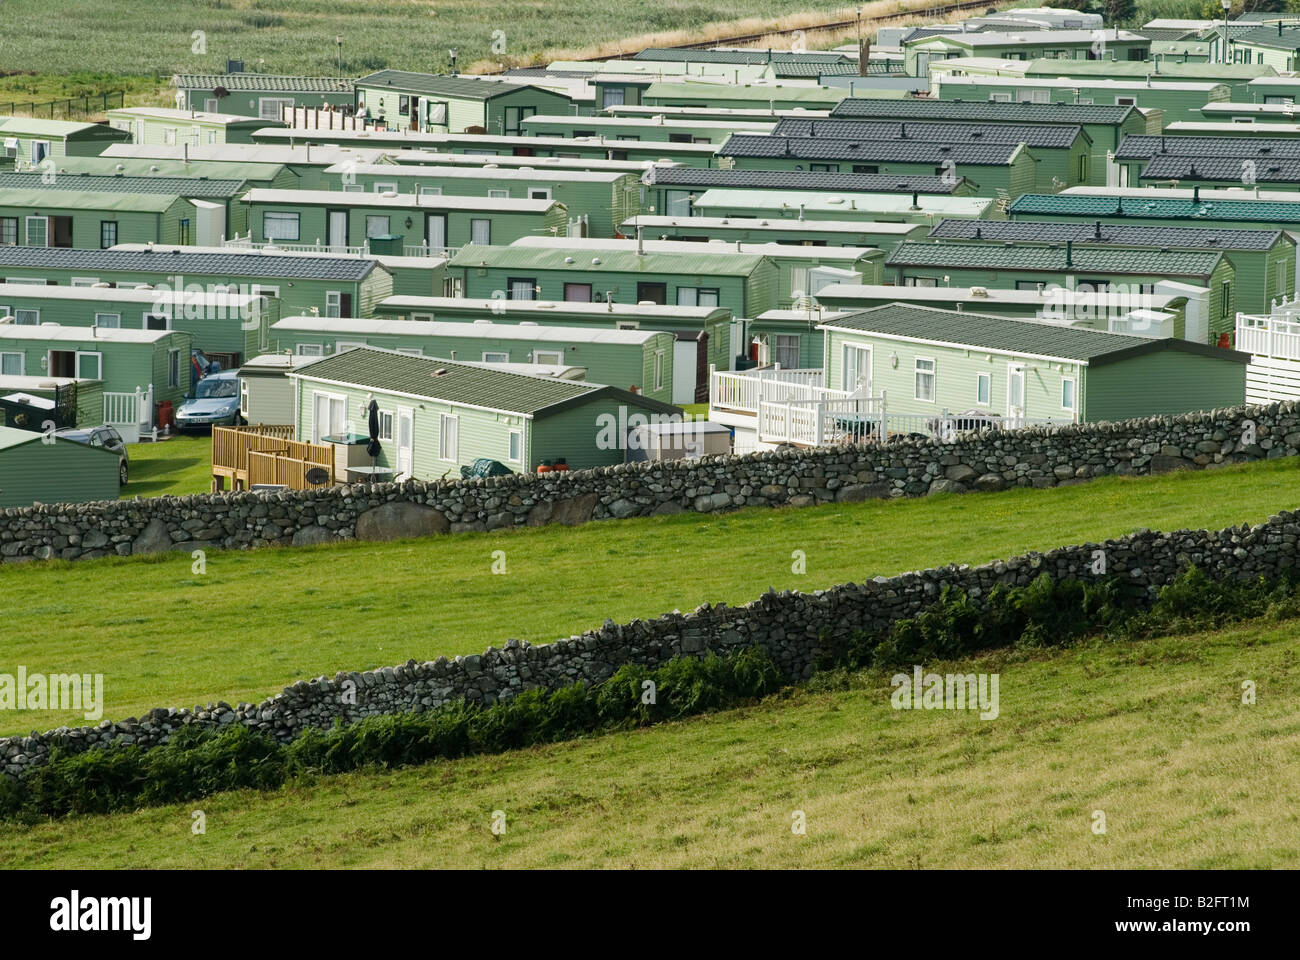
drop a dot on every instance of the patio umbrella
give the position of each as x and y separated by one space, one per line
372 448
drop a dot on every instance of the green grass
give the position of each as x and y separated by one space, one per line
1153 734
170 468
163 635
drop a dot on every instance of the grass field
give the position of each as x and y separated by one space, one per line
254 622
172 468
1153 734
150 37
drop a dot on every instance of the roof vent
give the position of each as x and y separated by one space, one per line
595 261
440 372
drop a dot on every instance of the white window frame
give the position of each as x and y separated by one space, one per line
334 303
22 361
659 370
1073 405
100 318
169 136
18 313
917 373
261 290
515 445
341 345
411 351
496 193
27 228
496 356
385 187
278 102
858 349
426 191
211 104
553 357
309 349
544 191
474 229
173 367
34 148
779 346
388 225
243 397
387 424
332 398
83 281
150 315
444 421
984 388
282 217
99 364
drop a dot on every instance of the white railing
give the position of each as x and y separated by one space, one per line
744 391
1268 336
130 414
408 250
821 423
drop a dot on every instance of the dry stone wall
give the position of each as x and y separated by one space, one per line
797 630
987 460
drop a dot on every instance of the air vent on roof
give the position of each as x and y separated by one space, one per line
440 372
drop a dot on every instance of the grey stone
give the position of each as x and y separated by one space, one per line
154 538
398 521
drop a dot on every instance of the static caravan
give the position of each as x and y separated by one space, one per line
637 360
703 336
338 285
426 103
1105 124
124 361
156 209
1163 312
641 128
671 190
430 223
1212 161
34 471
437 158
926 361
600 200
266 394
436 415
305 162
246 173
222 325
29 141
1265 260
785 95
1026 266
742 283
1176 99
855 208
260 95
808 233
171 128
801 270
993 169
1063 151
1113 45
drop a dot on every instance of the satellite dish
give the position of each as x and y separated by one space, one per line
318 475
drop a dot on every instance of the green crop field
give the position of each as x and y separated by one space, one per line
298 36
253 622
1154 735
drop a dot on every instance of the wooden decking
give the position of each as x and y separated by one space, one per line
265 454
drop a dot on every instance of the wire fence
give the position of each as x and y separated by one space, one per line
71 108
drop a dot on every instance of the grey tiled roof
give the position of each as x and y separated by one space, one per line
1104 260
960 328
737 56
1146 146
1223 169
464 88
902 151
91 183
198 264
262 81
684 176
975 111
1035 135
1113 234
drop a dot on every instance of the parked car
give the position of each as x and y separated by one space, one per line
215 402
106 437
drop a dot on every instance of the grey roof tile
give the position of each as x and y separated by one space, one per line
198 264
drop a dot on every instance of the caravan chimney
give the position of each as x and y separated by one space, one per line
1069 253
1097 234
640 250
801 206
1196 193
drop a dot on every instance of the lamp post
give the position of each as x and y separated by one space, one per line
1227 5
338 43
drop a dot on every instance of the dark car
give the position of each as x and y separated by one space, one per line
105 437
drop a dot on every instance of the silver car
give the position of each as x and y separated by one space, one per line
106 437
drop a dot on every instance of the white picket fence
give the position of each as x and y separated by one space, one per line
130 414
1274 345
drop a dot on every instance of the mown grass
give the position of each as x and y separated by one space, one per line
298 36
253 622
1153 734
170 468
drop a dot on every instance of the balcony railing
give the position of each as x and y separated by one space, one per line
1268 336
408 250
742 392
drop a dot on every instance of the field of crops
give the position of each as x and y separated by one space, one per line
138 37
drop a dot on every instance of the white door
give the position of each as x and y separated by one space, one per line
1015 390
329 416
856 372
436 231
405 440
338 228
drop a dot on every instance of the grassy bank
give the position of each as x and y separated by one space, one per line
254 622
